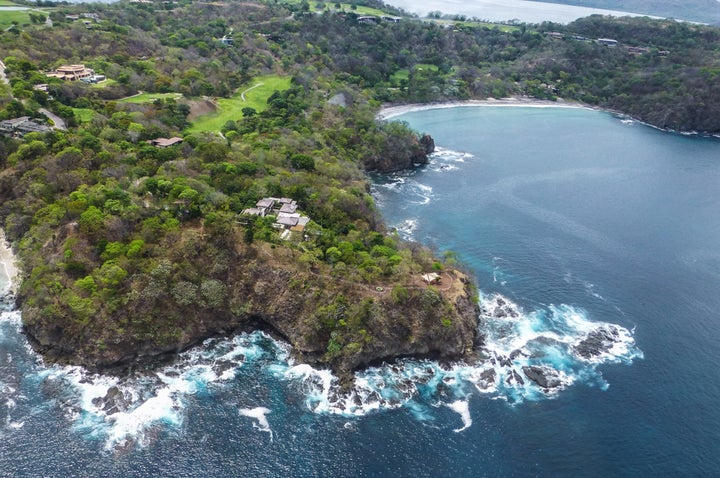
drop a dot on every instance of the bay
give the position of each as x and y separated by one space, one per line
553 205
523 11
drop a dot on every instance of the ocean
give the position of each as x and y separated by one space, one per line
524 11
573 222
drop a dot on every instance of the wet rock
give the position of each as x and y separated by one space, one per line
598 342
488 376
401 152
114 401
7 301
513 376
61 393
501 309
224 366
545 377
427 143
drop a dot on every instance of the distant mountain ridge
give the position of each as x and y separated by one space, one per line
705 11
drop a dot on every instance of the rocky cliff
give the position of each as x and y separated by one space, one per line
329 321
401 152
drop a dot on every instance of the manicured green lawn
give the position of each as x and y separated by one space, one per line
346 7
145 97
84 115
7 17
105 84
404 73
256 94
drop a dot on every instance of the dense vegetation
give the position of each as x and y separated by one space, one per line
131 248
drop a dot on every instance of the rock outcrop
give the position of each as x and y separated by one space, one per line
401 152
598 341
545 377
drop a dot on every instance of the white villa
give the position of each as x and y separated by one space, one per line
285 211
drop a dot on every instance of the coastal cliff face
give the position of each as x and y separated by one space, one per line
330 322
401 152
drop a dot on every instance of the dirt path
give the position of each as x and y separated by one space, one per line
242 95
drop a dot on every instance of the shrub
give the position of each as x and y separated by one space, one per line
213 291
399 294
185 293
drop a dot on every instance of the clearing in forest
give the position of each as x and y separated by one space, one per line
253 95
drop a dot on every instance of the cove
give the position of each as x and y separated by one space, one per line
613 218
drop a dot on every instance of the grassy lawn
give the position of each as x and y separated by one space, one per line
256 94
7 3
404 73
7 17
105 84
360 10
84 115
143 97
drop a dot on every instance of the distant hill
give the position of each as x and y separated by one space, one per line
705 11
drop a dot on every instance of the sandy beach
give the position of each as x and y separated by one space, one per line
391 111
9 270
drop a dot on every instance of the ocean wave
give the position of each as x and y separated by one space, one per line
407 228
462 407
126 411
525 356
449 155
261 421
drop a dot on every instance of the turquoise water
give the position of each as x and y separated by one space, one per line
568 206
572 221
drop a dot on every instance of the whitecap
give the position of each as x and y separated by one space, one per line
259 414
462 407
130 410
407 228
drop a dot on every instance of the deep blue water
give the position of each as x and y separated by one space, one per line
574 218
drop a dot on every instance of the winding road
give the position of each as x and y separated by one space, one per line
58 122
3 78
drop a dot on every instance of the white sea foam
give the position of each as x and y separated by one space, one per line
462 407
131 410
528 356
407 228
259 414
518 345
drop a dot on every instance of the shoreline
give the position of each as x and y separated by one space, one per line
8 269
391 111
